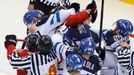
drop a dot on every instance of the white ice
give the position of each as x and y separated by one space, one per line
11 22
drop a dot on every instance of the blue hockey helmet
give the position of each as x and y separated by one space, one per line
74 63
125 26
87 46
29 16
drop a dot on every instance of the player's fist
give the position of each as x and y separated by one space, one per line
101 52
76 6
10 39
91 6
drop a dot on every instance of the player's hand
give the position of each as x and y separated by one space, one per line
10 39
76 6
99 49
101 52
32 28
124 43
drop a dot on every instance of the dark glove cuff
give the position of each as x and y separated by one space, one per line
10 42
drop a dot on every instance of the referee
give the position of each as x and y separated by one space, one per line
46 6
40 61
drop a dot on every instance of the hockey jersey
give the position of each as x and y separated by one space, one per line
91 66
57 19
110 38
76 34
123 54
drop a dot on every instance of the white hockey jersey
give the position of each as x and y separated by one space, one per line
54 21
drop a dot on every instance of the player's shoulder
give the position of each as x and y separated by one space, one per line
95 59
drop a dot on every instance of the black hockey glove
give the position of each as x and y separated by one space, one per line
93 16
76 6
10 39
101 52
93 13
91 6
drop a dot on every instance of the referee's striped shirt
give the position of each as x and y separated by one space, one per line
132 64
32 62
123 54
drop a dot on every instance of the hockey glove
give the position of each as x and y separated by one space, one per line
91 6
10 39
93 12
76 6
93 16
101 52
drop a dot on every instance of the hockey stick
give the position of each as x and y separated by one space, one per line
101 22
21 40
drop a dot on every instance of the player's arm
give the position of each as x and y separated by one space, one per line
59 47
76 19
14 56
10 44
18 62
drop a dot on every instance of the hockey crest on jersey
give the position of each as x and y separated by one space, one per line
51 70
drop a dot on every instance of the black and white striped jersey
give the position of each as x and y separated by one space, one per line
53 2
38 64
123 54
132 64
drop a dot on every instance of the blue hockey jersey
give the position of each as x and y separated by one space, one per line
91 66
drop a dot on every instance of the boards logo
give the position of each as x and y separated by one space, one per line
128 1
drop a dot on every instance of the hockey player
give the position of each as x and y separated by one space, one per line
74 34
122 30
41 59
92 63
123 53
48 25
40 55
81 30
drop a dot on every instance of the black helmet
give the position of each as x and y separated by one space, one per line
45 44
32 42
